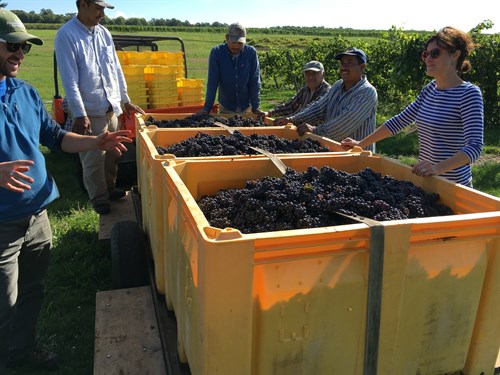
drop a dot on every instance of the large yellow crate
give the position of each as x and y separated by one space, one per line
140 123
294 302
149 167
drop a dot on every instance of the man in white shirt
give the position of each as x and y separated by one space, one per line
95 89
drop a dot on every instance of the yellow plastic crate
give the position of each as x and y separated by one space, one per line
122 57
149 170
139 58
295 301
136 85
159 71
167 97
160 104
167 58
137 90
190 102
133 71
167 83
189 83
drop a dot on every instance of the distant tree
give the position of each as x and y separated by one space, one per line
47 16
3 5
119 20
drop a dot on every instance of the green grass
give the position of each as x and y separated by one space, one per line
81 265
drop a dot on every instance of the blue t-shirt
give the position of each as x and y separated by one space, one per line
3 89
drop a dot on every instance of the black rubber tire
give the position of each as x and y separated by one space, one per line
128 255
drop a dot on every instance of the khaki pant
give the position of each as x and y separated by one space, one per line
100 167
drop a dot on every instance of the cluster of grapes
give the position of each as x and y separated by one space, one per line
314 198
238 144
204 121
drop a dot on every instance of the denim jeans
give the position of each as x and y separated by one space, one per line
24 259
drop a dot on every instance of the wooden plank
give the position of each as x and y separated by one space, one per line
127 340
122 209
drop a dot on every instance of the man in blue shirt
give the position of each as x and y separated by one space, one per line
233 70
26 189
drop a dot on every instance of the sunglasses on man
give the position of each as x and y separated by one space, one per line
14 47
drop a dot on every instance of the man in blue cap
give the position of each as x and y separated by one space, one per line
348 109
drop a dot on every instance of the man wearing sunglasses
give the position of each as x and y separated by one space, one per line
95 90
26 189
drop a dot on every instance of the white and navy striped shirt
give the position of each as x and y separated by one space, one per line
343 114
448 121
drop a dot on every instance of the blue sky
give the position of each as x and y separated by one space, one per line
361 14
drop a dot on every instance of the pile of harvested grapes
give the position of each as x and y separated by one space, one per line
238 144
204 121
310 199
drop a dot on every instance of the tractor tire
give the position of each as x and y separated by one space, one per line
128 255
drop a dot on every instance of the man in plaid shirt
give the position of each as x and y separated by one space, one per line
315 87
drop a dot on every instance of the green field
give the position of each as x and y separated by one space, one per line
37 68
81 266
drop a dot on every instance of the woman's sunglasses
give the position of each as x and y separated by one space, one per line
434 53
14 47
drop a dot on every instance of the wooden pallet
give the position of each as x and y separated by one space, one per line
127 338
122 209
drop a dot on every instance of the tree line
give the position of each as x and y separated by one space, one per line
394 67
53 20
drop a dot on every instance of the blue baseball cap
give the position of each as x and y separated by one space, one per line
353 52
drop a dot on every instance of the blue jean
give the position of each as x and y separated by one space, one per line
25 246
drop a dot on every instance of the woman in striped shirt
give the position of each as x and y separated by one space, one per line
448 112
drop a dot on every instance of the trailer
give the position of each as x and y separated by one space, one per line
134 331
416 296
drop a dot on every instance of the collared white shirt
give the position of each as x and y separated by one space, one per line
89 68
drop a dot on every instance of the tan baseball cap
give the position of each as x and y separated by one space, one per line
102 4
12 29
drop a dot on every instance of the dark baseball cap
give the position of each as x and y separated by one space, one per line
237 33
353 52
313 65
12 29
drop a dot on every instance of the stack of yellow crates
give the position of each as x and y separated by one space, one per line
157 73
136 84
162 84
190 91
